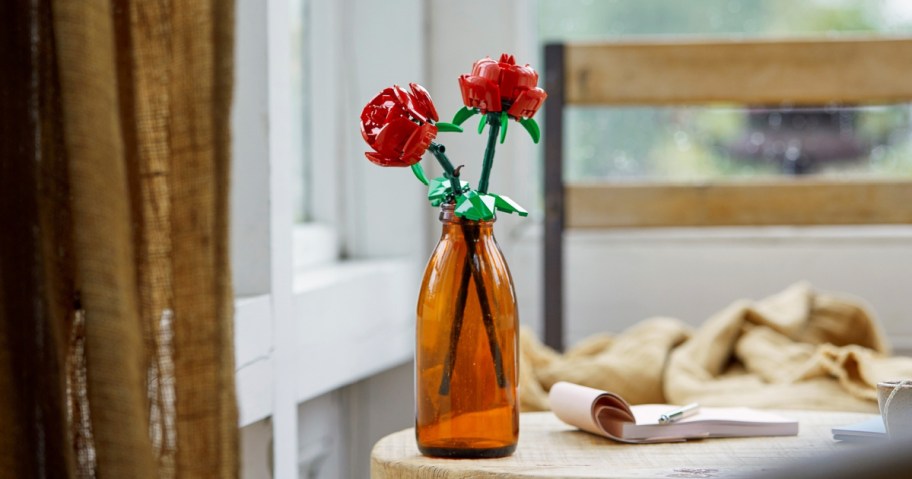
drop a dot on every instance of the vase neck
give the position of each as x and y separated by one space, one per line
453 224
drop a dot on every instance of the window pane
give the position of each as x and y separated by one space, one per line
601 19
712 142
300 118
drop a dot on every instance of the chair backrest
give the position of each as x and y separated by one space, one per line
811 72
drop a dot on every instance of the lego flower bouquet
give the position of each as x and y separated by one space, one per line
466 353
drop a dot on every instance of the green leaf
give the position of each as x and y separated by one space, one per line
482 123
532 127
419 173
504 121
464 114
507 205
439 189
448 127
474 206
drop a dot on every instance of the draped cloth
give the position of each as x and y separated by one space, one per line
116 341
798 349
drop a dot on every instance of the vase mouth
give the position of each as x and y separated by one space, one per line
448 215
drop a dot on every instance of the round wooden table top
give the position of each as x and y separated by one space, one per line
549 448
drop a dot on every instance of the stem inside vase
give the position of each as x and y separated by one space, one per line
456 330
473 266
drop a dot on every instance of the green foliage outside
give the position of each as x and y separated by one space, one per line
696 143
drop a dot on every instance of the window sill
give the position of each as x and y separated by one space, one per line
352 319
253 349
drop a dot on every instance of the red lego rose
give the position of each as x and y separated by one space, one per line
397 124
502 85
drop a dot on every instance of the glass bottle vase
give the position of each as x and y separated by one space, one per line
466 357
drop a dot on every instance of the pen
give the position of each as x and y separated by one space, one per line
680 413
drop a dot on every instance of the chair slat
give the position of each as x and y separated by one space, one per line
784 202
799 72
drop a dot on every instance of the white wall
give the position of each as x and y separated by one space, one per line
337 430
380 405
614 279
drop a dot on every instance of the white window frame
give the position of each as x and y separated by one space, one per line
304 325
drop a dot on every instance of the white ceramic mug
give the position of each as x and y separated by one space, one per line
895 401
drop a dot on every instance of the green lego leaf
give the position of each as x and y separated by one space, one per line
464 114
474 206
419 173
448 127
482 122
439 190
532 127
507 205
504 121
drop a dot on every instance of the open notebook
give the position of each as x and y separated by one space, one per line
607 414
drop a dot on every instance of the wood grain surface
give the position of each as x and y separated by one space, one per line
801 71
549 448
748 203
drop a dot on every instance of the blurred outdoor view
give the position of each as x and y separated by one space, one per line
700 143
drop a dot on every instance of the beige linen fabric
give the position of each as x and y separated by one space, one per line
116 340
801 348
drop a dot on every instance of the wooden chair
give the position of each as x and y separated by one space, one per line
846 71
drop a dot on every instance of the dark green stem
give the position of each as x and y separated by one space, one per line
493 119
439 152
486 316
456 330
473 266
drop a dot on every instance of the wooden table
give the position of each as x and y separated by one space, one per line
549 448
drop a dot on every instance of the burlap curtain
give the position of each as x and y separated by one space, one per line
116 356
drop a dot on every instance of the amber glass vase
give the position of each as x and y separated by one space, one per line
466 353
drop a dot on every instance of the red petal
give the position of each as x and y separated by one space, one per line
368 119
488 70
381 110
418 143
480 64
480 93
514 79
527 103
371 120
407 101
382 97
400 94
393 136
423 101
505 58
